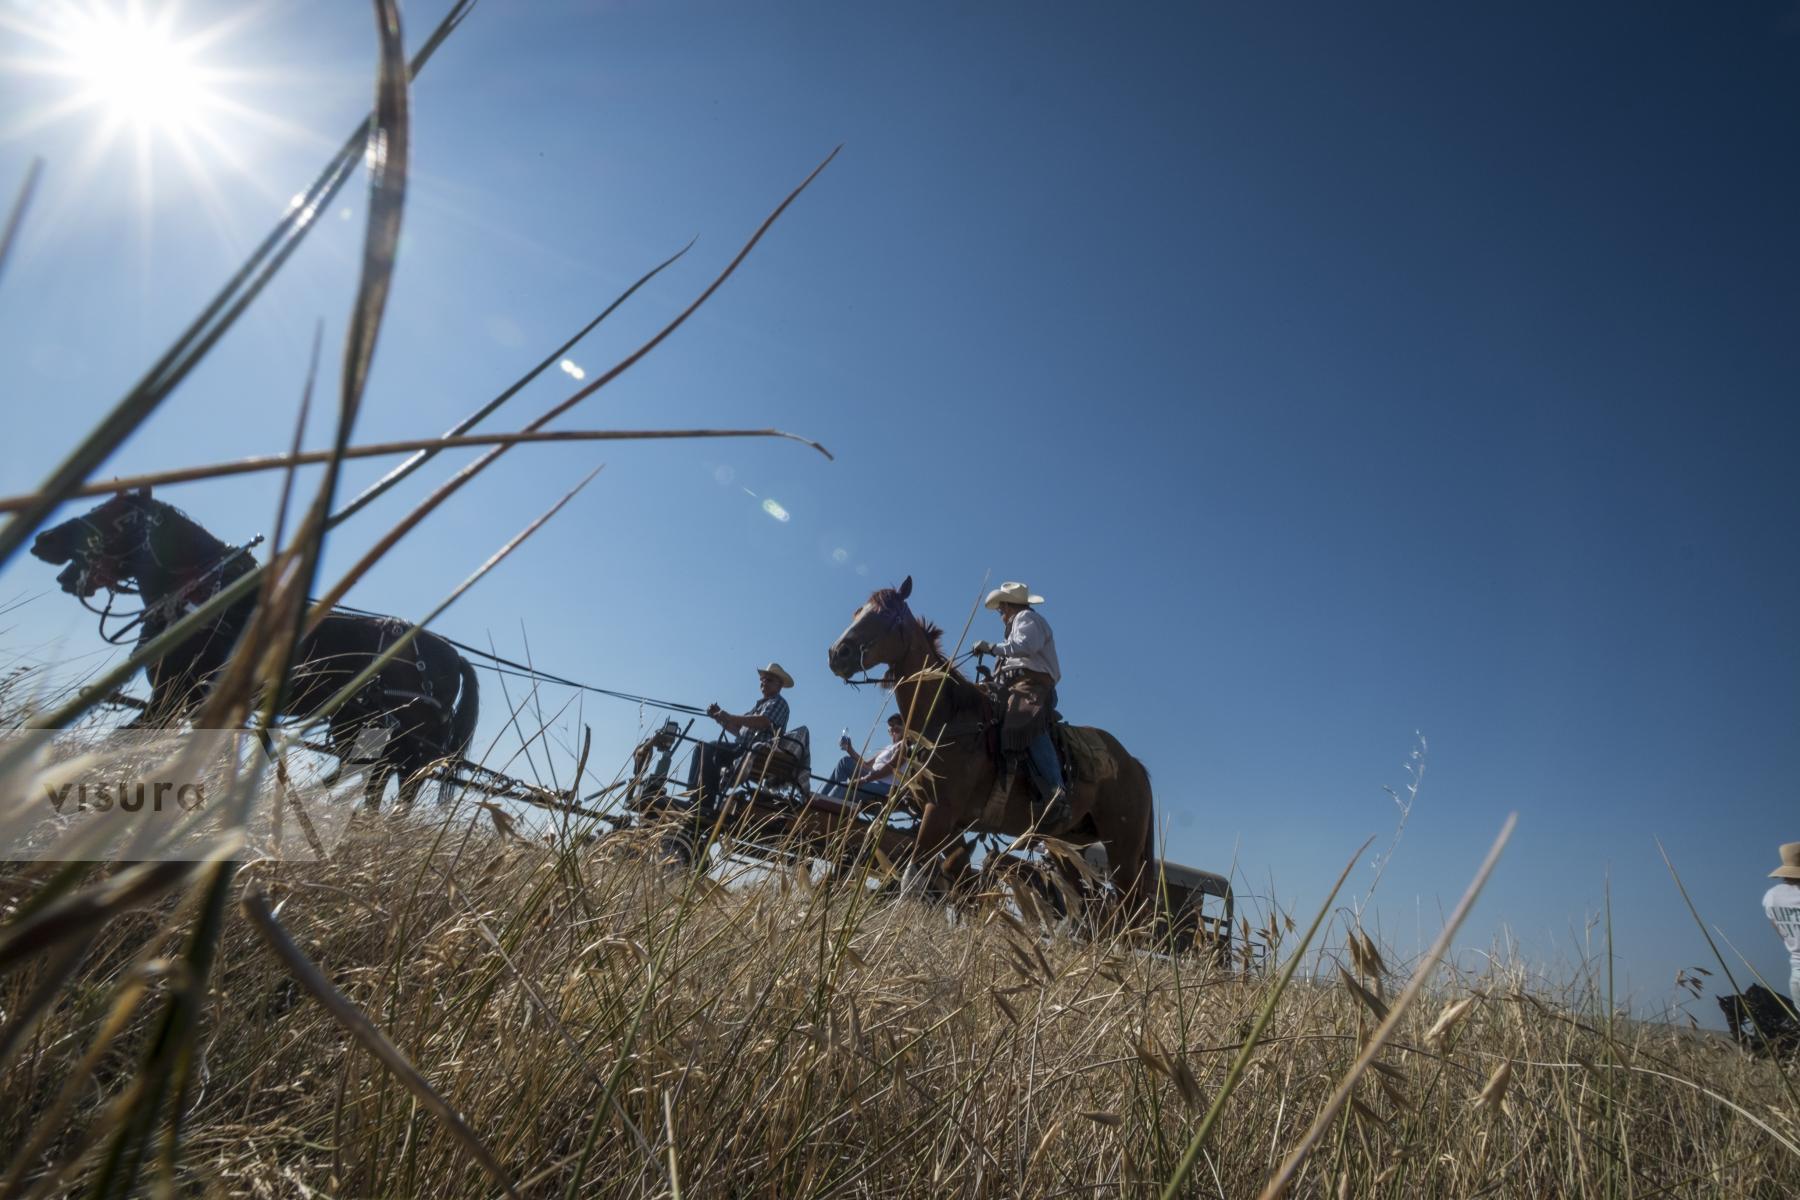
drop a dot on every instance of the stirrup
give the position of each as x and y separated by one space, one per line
1057 813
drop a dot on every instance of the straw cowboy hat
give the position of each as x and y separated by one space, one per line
774 670
1012 593
1790 863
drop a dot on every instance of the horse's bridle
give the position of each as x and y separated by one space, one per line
146 522
894 620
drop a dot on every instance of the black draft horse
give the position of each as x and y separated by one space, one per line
423 703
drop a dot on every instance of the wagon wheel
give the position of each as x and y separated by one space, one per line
1038 890
666 844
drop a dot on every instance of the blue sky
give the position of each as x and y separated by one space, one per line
1338 372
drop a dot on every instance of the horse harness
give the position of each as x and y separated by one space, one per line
210 578
392 630
175 601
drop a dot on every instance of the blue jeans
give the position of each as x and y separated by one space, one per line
1044 766
839 784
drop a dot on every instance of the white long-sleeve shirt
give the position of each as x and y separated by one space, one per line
1030 644
1782 906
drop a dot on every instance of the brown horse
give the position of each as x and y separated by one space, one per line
957 717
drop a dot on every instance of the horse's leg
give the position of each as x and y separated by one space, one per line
411 779
415 771
169 696
937 829
1122 817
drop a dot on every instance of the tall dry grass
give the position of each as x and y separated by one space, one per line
602 1025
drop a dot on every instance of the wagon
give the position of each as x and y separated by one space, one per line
769 812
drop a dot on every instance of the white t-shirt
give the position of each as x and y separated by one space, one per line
1782 903
888 754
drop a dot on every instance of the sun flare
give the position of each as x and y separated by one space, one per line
142 76
137 72
132 66
162 101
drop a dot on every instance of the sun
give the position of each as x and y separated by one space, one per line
130 64
137 72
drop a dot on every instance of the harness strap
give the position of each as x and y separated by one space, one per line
170 602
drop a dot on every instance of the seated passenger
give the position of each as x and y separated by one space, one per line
766 721
846 766
870 779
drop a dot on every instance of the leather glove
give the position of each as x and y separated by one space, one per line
983 647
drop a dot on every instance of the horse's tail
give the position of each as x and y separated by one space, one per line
1145 888
468 709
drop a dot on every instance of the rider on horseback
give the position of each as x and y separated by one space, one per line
1027 675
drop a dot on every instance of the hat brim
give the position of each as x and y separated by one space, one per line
1785 872
995 600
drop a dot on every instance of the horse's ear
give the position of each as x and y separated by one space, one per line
905 588
143 493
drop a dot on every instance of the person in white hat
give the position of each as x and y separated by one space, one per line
1027 672
1782 906
766 721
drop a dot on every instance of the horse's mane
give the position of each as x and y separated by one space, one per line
888 599
170 511
212 543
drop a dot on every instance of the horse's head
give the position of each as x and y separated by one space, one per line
100 546
880 634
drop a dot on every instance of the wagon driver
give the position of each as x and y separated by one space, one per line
766 721
1027 675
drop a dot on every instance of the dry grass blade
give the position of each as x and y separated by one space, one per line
1363 995
390 143
40 999
1290 1167
1191 1156
79 914
1495 1092
304 458
1373 965
214 320
1448 1020
21 204
124 1005
256 907
1186 1084
425 453
451 486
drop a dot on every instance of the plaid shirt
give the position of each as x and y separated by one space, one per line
776 709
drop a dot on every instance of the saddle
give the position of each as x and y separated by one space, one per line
1084 753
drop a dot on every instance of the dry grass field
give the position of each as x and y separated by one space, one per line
601 1025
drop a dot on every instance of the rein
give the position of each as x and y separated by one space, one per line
168 602
949 729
